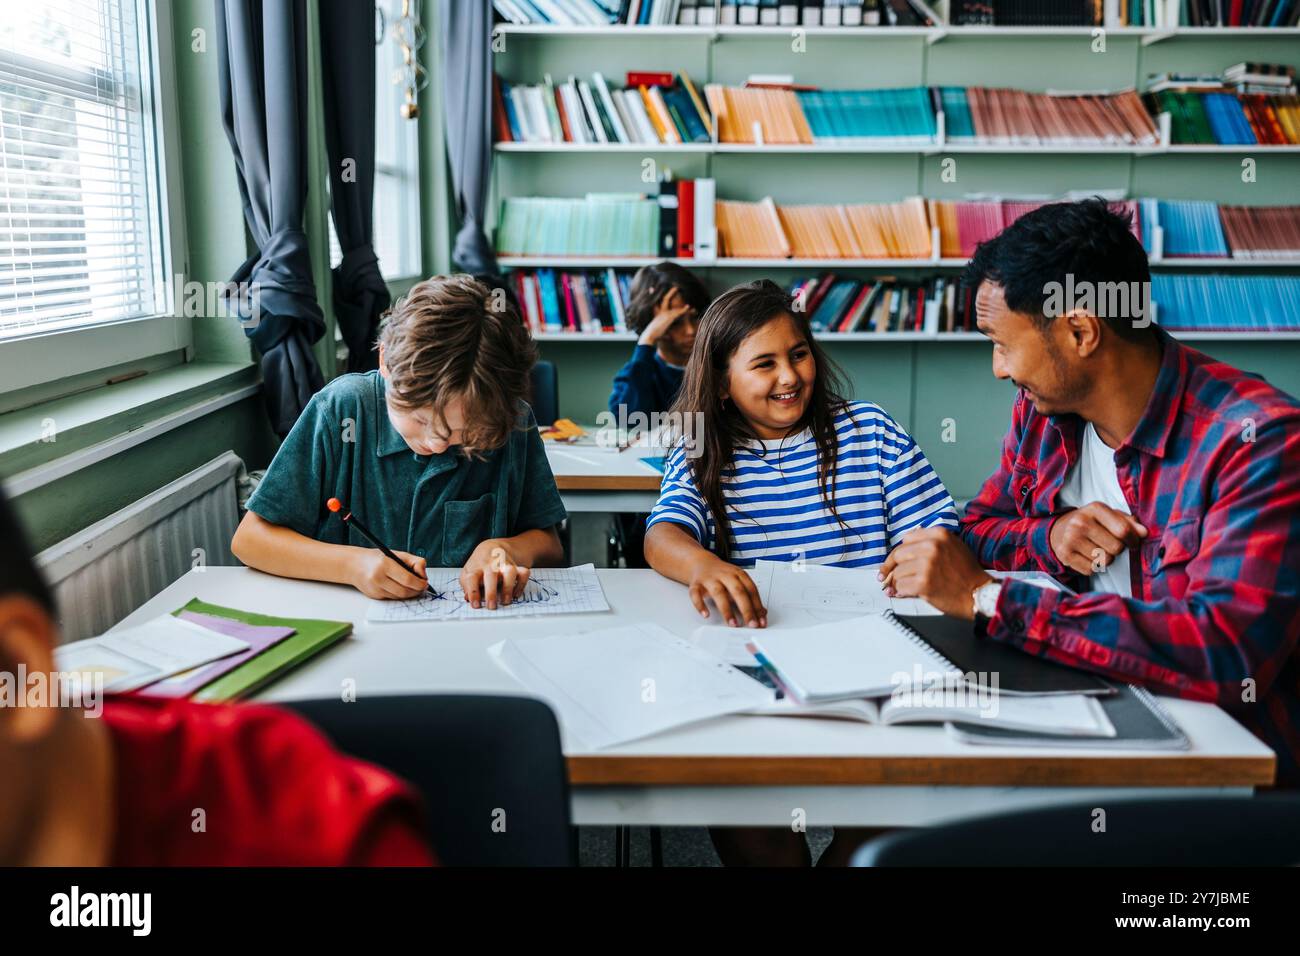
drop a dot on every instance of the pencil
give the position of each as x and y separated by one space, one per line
336 506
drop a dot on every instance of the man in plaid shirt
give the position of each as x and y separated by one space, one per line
1161 483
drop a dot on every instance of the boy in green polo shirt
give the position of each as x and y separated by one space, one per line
436 452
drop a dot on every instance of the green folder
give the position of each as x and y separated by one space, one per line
310 638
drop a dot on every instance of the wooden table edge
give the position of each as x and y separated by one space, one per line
607 482
972 771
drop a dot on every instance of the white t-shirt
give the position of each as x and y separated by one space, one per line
1094 478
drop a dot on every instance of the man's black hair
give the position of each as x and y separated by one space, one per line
18 574
1088 241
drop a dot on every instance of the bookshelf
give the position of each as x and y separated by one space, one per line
922 379
931 35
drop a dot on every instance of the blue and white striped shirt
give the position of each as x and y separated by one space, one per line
884 487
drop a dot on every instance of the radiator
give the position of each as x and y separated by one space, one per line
102 574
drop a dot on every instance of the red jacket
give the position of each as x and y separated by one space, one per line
249 785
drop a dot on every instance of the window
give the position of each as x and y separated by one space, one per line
397 160
81 211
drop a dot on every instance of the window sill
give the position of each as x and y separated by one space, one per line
47 441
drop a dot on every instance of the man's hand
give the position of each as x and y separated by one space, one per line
670 309
492 568
1088 539
732 591
933 563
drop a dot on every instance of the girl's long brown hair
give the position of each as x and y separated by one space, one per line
728 321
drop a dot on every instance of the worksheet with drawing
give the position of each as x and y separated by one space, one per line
802 591
549 591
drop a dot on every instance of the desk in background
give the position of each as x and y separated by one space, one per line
593 478
733 770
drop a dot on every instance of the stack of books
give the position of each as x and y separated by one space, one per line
607 12
1226 303
1161 14
1020 118
904 115
964 224
591 300
1187 228
651 108
1270 78
677 222
1203 115
881 304
827 13
602 224
764 230
1262 232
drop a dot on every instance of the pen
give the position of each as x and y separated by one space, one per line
336 506
782 684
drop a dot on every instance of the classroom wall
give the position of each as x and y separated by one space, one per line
924 383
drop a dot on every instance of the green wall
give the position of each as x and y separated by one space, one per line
921 383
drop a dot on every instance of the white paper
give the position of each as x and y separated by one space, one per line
727 644
135 656
549 591
622 683
818 592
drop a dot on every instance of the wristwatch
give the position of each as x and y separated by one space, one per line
985 599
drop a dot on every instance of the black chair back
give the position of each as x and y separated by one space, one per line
1180 831
489 768
545 389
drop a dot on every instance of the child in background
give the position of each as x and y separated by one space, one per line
121 789
436 452
786 470
664 307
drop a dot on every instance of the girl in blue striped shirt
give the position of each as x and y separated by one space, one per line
779 466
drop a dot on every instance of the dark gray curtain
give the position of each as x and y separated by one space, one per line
347 33
262 71
465 32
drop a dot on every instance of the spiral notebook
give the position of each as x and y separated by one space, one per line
868 656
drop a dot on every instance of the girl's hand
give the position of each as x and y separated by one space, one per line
670 309
376 575
732 591
493 568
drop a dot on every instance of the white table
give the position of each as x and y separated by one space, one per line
732 770
603 479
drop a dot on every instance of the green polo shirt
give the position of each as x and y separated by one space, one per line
437 506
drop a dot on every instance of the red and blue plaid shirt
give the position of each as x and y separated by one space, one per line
1213 472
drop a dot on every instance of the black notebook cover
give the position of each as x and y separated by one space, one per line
1018 672
1140 723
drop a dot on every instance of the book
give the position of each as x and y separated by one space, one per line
1138 719
311 636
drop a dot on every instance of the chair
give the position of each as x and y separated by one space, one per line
470 757
1179 831
544 389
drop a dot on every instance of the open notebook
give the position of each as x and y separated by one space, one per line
868 656
876 670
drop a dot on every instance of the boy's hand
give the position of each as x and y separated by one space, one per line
376 575
493 568
732 591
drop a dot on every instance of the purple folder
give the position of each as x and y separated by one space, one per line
257 638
